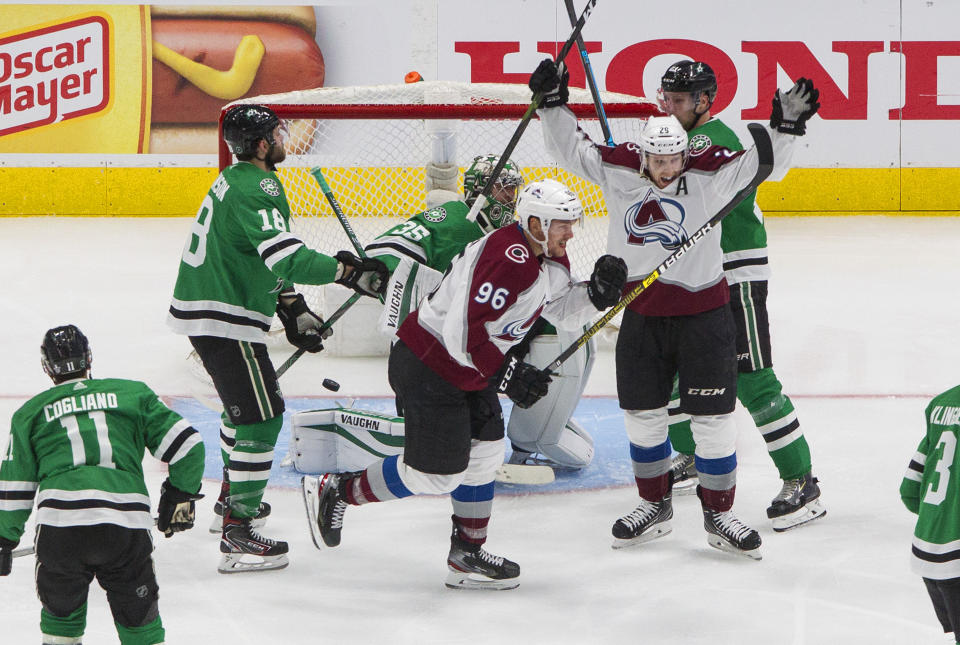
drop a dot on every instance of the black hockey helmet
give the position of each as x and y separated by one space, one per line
245 125
64 351
690 76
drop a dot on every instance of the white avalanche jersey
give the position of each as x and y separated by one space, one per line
648 223
485 304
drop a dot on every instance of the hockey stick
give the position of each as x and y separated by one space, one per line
334 317
525 120
764 147
317 174
27 550
591 81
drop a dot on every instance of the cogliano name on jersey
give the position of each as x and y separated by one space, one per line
80 403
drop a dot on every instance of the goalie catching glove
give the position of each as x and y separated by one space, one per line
792 108
522 382
177 510
606 283
548 80
301 325
367 276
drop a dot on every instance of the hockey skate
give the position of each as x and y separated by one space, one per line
727 533
798 503
323 498
244 549
683 474
646 522
216 526
471 567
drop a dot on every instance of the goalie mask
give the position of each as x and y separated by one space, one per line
65 351
245 125
547 200
500 204
693 77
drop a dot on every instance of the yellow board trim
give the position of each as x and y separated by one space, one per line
177 192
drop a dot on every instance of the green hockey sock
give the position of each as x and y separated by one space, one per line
148 634
250 463
71 626
762 395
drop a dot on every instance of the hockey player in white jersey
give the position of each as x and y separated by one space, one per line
420 249
449 364
657 197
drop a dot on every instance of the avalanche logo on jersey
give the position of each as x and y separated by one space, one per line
517 329
517 253
654 220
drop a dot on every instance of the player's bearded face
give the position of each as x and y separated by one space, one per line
277 152
663 169
680 105
559 233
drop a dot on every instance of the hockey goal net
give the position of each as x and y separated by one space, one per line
372 143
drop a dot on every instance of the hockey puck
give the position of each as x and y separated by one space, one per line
330 384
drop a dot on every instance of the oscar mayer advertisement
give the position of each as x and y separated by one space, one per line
114 79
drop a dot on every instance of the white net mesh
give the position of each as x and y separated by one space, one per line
372 143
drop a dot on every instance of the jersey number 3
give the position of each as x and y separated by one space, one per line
936 494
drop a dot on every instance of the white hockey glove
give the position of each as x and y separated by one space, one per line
792 108
368 276
301 325
441 176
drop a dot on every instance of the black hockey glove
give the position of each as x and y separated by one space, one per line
522 382
368 277
6 556
792 108
301 325
176 510
606 283
548 80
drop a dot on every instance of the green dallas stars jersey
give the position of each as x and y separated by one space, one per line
417 253
931 490
238 257
433 237
743 237
78 448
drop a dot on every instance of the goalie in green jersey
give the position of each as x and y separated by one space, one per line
419 250
77 449
237 269
687 91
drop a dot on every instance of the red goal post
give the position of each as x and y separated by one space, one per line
372 143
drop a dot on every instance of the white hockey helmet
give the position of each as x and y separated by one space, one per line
663 135
547 200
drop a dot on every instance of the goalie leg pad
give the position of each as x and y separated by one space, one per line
546 427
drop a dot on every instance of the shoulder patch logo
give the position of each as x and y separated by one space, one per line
699 143
517 253
437 214
270 186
